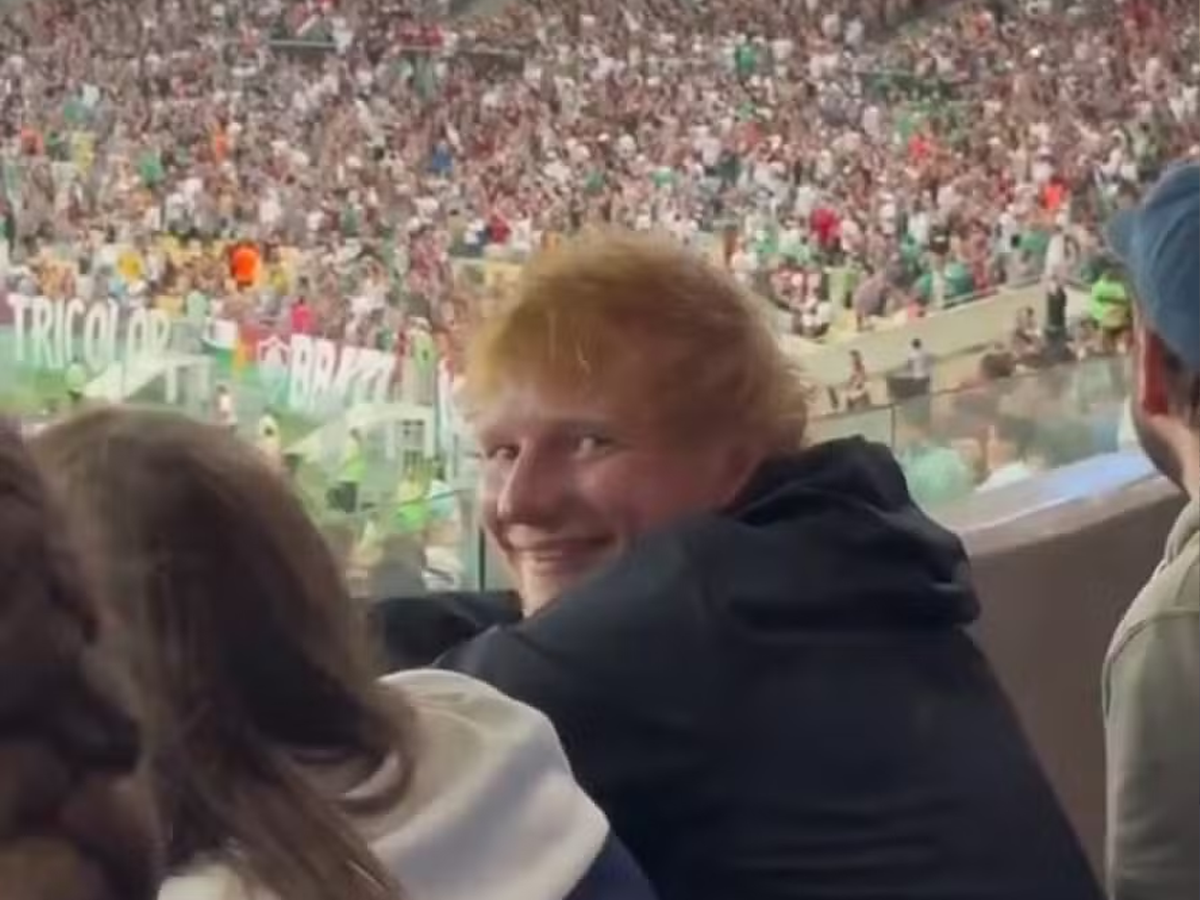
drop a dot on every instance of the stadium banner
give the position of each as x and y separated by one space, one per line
51 335
305 375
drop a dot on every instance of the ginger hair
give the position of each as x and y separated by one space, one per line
652 331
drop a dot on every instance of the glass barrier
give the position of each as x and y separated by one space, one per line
402 523
983 436
955 442
410 519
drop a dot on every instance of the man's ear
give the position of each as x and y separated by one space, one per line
1152 387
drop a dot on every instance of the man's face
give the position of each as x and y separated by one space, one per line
566 486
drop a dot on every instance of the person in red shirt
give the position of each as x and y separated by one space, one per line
825 225
301 317
498 229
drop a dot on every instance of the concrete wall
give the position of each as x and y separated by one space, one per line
1056 562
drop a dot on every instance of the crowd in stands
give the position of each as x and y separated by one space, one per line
252 158
753 649
320 167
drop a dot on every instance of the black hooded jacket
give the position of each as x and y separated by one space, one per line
780 701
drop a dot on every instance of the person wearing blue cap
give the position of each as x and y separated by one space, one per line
1152 672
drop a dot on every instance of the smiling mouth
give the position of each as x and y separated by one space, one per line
562 552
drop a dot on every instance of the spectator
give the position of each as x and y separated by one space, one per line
1152 673
1060 435
996 365
909 156
352 470
1109 308
1055 316
276 757
75 820
936 474
690 569
1027 345
1008 445
269 441
920 362
858 391
225 408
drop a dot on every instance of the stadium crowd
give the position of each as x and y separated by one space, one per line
736 660
241 158
735 664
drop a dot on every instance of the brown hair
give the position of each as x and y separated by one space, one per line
74 824
655 330
246 640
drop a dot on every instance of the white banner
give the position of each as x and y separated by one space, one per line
52 334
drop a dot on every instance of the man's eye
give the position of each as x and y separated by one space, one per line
500 453
590 444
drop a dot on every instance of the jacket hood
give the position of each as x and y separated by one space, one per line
830 536
493 811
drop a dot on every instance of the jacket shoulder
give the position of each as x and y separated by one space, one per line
1170 598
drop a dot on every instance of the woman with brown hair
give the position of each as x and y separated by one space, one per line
73 822
280 765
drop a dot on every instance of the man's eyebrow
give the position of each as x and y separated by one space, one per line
579 424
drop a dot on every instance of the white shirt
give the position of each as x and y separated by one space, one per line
226 411
1012 473
493 811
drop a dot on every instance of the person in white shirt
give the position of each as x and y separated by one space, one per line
920 361
1008 446
269 442
815 317
226 408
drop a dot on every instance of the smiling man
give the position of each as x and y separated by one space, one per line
753 648
567 488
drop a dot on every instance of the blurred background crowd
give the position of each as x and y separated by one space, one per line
438 427
867 155
374 172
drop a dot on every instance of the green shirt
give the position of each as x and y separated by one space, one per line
197 306
1035 243
662 176
936 475
74 111
150 169
745 59
58 147
1108 303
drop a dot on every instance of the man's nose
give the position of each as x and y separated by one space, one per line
526 493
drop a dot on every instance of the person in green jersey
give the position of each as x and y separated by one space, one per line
936 473
1109 308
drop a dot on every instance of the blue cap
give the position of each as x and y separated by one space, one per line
1159 243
